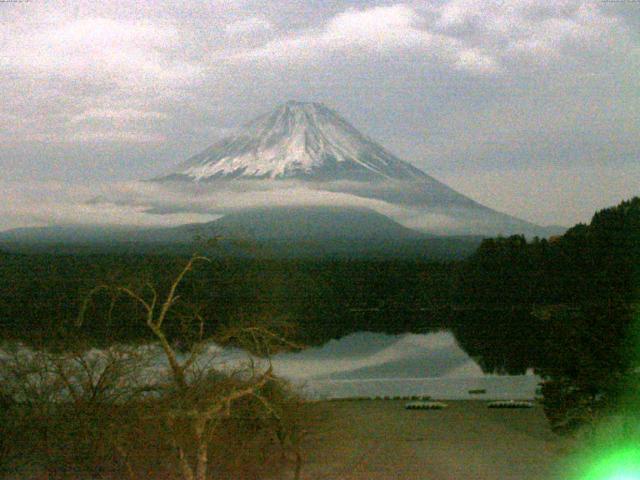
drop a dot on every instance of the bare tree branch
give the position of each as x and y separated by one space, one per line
171 297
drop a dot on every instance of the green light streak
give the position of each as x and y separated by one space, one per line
616 464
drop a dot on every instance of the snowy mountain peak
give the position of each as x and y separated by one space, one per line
302 140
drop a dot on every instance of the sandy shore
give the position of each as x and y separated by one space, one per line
377 439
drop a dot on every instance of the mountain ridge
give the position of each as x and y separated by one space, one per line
303 154
279 232
309 143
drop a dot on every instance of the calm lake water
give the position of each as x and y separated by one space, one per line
366 364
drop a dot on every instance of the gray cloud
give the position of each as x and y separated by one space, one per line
516 93
51 203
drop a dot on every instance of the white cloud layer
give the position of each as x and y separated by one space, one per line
379 30
248 26
119 115
158 204
56 203
478 36
130 54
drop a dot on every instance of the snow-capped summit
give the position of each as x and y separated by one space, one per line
301 140
302 175
327 162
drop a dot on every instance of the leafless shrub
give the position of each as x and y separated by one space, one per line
198 406
62 408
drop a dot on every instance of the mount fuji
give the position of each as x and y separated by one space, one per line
312 147
301 175
298 140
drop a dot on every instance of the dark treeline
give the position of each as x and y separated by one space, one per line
588 273
565 306
41 294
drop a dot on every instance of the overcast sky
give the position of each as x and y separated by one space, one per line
530 107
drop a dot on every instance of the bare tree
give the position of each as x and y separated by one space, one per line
197 399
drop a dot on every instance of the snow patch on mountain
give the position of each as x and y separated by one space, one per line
298 140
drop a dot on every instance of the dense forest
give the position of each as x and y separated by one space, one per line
42 293
565 306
